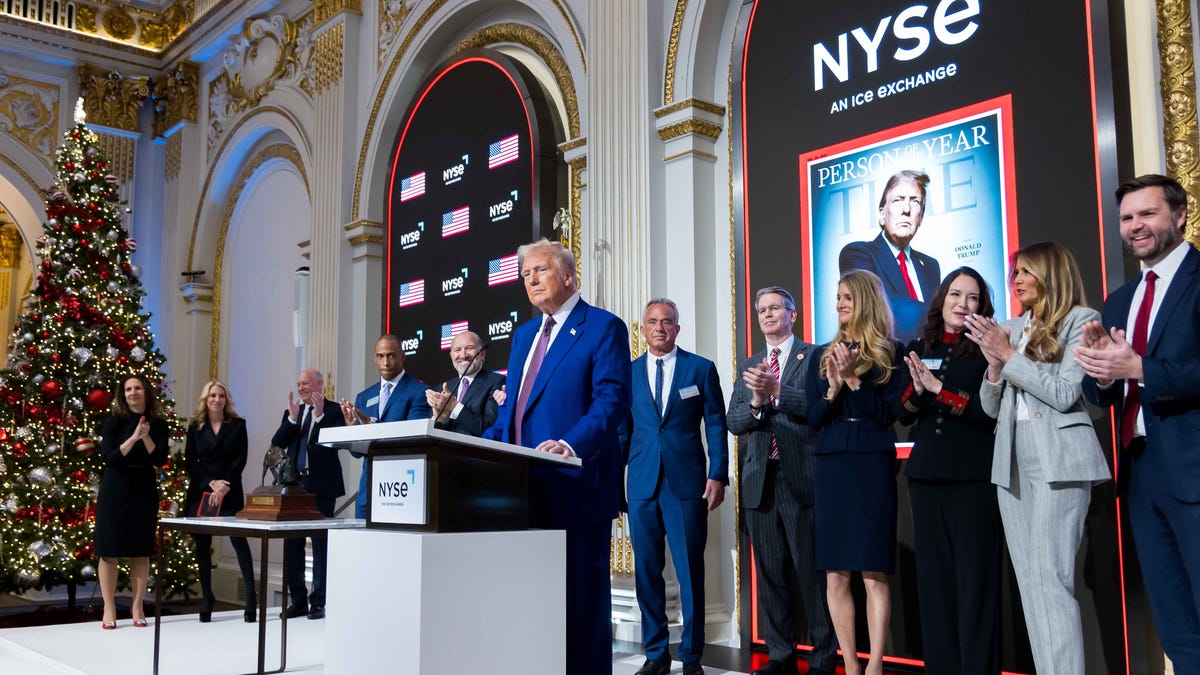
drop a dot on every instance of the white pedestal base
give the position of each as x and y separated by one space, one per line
486 602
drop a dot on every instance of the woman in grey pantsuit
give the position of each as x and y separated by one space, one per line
1047 456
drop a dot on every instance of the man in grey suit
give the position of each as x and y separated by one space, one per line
769 406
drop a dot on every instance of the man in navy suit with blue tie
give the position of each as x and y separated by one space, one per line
568 391
1142 358
396 397
669 487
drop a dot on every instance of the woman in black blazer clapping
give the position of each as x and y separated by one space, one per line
215 456
851 392
956 522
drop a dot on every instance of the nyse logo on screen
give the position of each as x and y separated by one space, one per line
456 221
454 285
503 270
449 330
412 187
503 209
412 238
412 293
454 173
910 38
410 345
502 329
504 151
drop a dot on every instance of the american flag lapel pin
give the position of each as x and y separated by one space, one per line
799 357
572 331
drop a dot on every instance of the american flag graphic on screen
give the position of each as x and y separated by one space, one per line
502 270
504 151
449 330
412 293
458 220
412 187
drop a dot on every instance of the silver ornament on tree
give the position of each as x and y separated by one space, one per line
40 476
40 548
27 579
39 378
135 271
81 354
52 449
138 354
87 572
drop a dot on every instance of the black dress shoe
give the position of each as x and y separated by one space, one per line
659 666
773 667
295 611
693 668
316 612
205 616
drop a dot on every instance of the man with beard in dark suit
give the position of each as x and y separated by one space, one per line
466 403
769 405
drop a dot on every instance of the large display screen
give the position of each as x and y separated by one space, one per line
1007 107
470 182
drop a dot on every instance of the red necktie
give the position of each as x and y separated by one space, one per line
775 373
1141 331
912 291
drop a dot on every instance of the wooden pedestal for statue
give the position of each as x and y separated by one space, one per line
272 502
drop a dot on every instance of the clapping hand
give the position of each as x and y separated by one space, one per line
923 379
994 341
761 382
1107 356
499 396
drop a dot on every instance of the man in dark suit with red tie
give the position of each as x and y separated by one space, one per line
466 404
769 406
1143 359
910 278
671 488
320 473
568 390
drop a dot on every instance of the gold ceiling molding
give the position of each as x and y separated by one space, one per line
696 103
573 144
10 247
692 126
20 171
1181 138
394 65
540 45
174 161
392 14
271 152
213 165
673 52
115 22
111 99
270 53
324 10
29 113
177 97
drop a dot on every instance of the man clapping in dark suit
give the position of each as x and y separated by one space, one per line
670 490
466 404
320 472
770 406
396 397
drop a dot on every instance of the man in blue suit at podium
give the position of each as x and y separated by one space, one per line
670 491
396 397
568 390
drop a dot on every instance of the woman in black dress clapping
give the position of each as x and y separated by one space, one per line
133 445
956 520
215 455
852 391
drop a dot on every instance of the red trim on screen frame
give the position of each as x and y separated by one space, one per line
1010 202
1001 103
387 314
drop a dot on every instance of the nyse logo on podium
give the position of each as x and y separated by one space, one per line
398 490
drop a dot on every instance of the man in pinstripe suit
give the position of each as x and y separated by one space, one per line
769 407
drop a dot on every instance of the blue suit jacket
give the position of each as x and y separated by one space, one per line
580 395
1171 387
671 443
876 256
407 402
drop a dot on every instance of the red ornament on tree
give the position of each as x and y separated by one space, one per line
80 475
98 399
18 449
85 446
51 388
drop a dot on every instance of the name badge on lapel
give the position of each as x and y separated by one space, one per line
688 392
932 364
374 400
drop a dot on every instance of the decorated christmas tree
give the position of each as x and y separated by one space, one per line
80 331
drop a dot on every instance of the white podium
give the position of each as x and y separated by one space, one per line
432 603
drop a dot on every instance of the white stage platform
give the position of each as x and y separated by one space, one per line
227 645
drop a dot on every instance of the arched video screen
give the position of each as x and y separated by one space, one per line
473 177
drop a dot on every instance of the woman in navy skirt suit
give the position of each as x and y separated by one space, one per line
852 390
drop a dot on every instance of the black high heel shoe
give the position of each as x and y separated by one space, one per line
251 612
206 608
